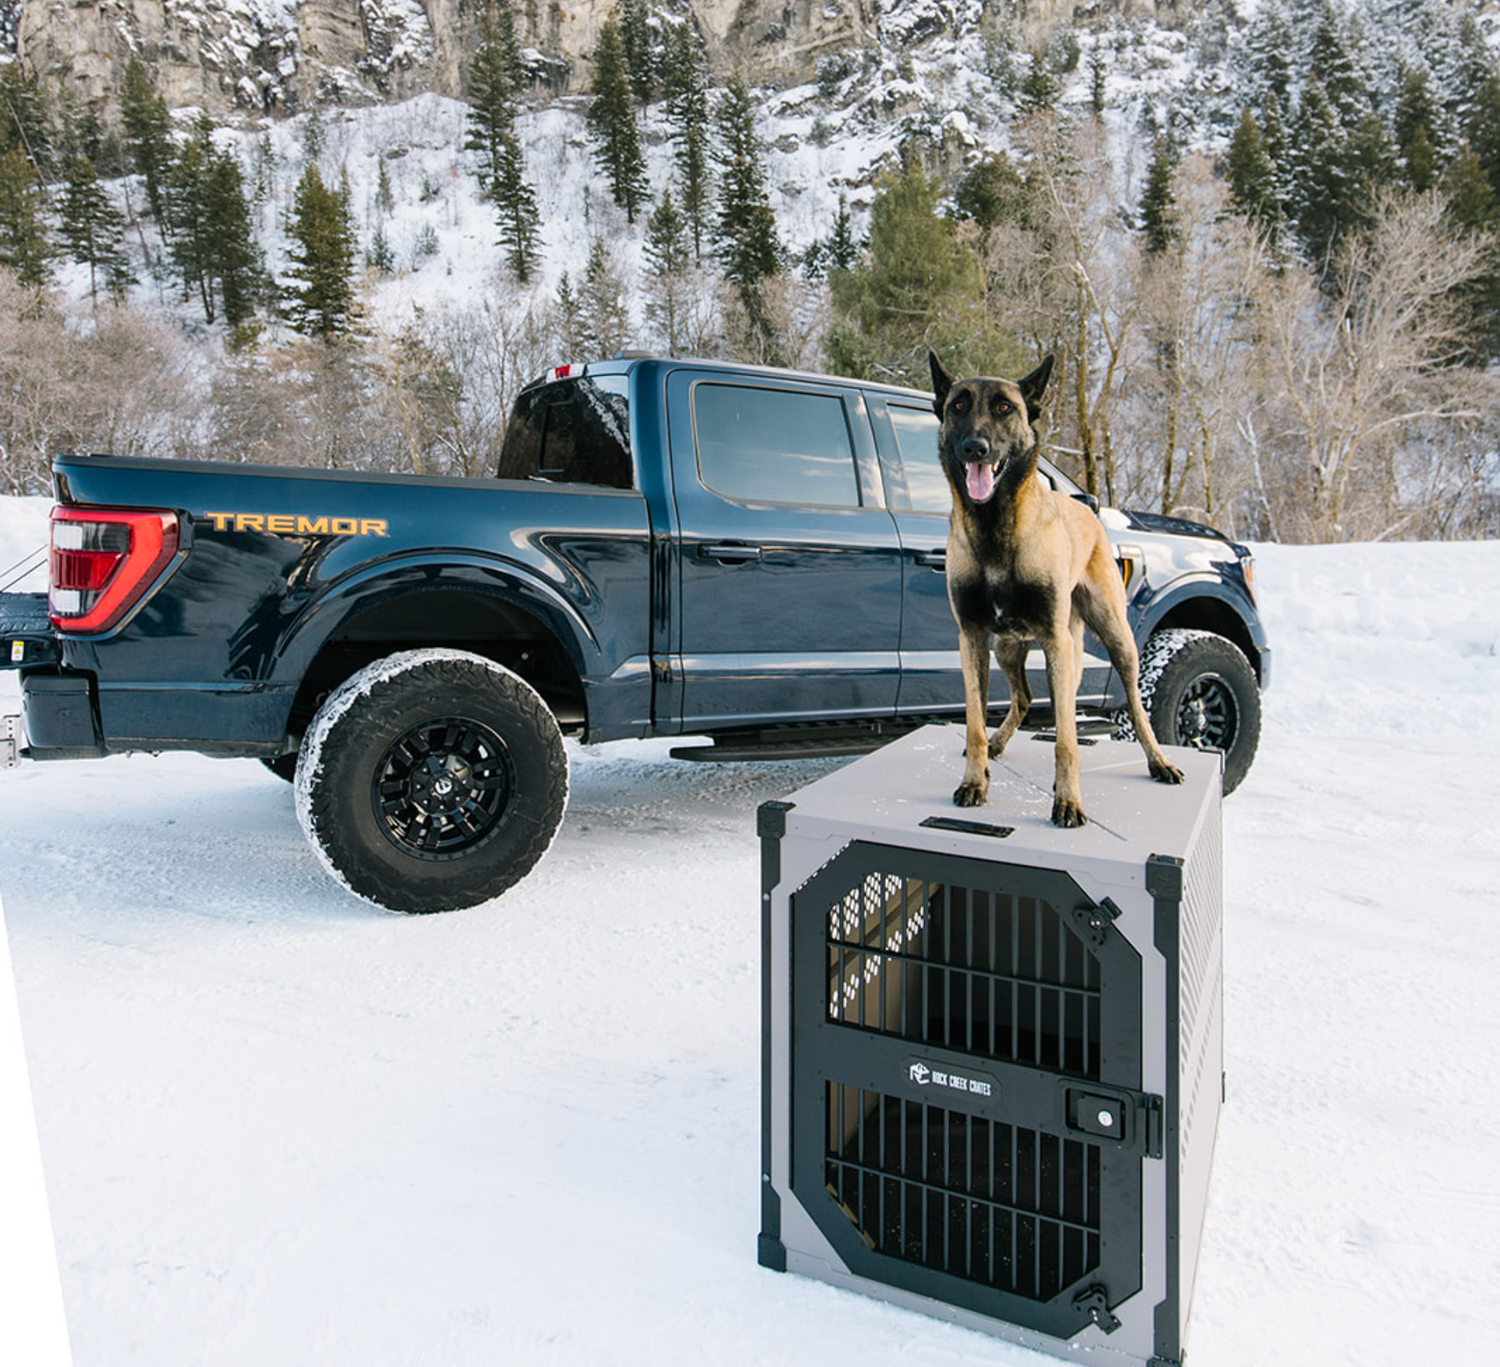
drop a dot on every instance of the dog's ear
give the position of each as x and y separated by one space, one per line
1033 386
942 382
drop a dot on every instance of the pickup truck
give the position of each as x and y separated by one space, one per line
667 548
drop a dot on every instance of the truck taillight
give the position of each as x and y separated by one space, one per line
104 561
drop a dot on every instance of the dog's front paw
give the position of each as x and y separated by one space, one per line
971 794
1067 813
1166 773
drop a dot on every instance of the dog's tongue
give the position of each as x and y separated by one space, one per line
981 481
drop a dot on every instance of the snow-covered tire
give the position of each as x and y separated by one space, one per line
1199 690
432 780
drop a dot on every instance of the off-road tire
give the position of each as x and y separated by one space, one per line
432 780
1199 690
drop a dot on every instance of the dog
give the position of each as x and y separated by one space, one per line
1026 563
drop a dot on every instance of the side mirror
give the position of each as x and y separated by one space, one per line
1089 501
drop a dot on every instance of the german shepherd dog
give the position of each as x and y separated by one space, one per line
1026 563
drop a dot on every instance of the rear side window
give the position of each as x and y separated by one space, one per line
917 438
571 432
774 445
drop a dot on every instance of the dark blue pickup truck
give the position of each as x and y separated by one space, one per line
669 548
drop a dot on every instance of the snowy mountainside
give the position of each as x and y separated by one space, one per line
924 77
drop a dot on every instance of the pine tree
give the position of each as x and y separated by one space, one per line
1419 160
148 133
1416 117
185 206
640 56
1278 152
494 84
990 192
233 259
1474 207
385 200
1373 160
601 301
1097 74
320 295
1324 181
493 87
746 229
571 334
92 228
1039 87
687 106
25 121
611 120
843 250
380 256
515 201
1158 211
23 238
916 286
1251 176
1268 53
666 248
1337 73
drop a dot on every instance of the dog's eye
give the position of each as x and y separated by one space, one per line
961 404
1002 407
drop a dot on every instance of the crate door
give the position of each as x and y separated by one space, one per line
966 1065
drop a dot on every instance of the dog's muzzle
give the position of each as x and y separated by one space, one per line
981 473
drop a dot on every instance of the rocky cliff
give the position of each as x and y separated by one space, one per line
255 56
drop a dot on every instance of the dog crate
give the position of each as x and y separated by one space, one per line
992 1064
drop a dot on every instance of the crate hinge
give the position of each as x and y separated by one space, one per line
1094 1302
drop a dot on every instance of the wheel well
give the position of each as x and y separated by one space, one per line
1212 614
464 621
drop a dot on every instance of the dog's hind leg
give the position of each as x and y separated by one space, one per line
1010 653
974 655
1120 645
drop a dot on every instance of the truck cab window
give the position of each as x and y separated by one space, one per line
571 432
917 438
760 445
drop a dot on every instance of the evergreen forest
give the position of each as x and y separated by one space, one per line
1264 251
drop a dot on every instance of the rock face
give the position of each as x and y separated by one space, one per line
255 56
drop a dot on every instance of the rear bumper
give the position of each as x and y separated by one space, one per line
68 715
61 717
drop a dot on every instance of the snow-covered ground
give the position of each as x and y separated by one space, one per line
280 1126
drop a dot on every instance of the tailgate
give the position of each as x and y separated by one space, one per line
27 636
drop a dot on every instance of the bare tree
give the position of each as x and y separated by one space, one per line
1354 374
1195 311
117 382
1088 306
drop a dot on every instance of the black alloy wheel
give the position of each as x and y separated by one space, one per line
443 787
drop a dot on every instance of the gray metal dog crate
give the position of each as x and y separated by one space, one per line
993 1054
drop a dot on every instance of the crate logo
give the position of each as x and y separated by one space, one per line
298 524
923 1075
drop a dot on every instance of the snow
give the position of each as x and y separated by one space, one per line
279 1125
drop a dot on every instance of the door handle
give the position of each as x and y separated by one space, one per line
933 560
728 552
